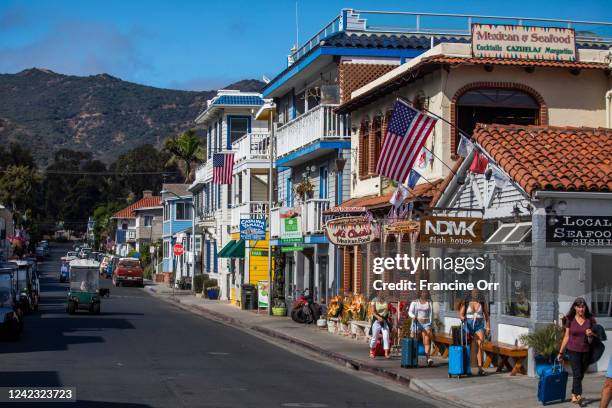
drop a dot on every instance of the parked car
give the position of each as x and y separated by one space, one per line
128 270
85 253
72 254
11 316
40 253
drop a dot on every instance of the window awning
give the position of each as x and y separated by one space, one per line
226 248
515 233
236 250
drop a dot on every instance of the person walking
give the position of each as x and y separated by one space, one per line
421 312
477 323
380 323
578 323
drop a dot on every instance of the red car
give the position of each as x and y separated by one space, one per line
128 270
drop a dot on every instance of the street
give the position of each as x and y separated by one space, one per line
143 352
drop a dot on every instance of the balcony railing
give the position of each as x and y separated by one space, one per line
312 215
204 171
319 123
149 232
249 209
252 146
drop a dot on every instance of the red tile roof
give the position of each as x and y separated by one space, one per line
551 158
145 202
423 190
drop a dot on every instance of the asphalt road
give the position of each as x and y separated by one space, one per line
143 352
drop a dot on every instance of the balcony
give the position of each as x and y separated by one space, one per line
252 146
204 172
149 233
249 209
312 134
312 215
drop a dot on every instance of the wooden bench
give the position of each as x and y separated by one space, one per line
497 353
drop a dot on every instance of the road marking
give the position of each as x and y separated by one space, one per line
304 405
218 353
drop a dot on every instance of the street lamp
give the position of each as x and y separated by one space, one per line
192 245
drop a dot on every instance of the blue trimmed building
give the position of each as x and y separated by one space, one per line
313 142
177 213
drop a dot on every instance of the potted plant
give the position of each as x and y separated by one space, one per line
334 310
358 312
545 343
279 308
304 189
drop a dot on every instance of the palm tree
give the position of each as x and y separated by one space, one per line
185 149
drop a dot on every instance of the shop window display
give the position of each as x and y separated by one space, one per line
517 286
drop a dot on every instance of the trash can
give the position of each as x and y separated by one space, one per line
248 297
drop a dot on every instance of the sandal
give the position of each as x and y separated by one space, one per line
387 354
430 362
372 353
481 372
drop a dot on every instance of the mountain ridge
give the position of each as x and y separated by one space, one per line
46 111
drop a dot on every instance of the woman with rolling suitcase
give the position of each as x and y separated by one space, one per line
577 340
421 311
474 314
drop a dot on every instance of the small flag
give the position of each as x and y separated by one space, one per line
465 147
401 193
479 164
413 179
500 178
424 158
223 166
408 131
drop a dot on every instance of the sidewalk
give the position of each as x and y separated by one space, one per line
493 390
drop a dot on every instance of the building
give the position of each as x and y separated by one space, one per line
555 105
127 238
176 202
149 222
230 126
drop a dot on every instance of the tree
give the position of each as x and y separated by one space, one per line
103 225
186 149
18 188
16 156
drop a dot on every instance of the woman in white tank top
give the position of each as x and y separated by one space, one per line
421 312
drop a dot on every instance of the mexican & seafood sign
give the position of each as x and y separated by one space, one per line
351 231
253 229
573 230
523 42
449 231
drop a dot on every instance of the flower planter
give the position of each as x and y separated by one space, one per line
358 327
212 293
345 329
332 325
322 323
279 311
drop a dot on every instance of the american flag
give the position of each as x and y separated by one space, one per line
408 130
223 166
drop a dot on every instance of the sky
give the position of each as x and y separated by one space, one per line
202 45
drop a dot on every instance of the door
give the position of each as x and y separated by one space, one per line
323 182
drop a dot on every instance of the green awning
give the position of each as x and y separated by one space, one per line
225 249
236 250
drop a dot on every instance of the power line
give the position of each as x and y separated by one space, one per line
103 173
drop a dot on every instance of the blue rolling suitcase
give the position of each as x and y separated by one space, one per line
459 358
410 352
552 385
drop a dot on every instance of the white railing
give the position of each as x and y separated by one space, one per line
249 209
316 124
204 171
312 215
252 146
275 222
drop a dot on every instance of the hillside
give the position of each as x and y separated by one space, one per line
47 111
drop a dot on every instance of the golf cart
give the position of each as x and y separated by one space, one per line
84 286
28 285
11 317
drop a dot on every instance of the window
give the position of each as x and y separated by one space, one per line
183 211
148 220
209 149
601 284
323 182
238 127
517 285
131 234
219 138
376 143
289 192
166 249
364 149
166 212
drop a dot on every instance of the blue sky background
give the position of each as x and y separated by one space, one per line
201 45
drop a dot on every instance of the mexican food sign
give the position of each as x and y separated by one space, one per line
523 42
351 231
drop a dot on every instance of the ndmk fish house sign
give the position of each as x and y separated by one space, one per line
451 231
351 231
584 231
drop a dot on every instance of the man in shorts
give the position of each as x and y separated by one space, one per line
606 391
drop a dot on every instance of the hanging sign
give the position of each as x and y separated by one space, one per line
291 223
292 248
572 230
523 42
351 231
253 229
402 227
449 231
258 252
